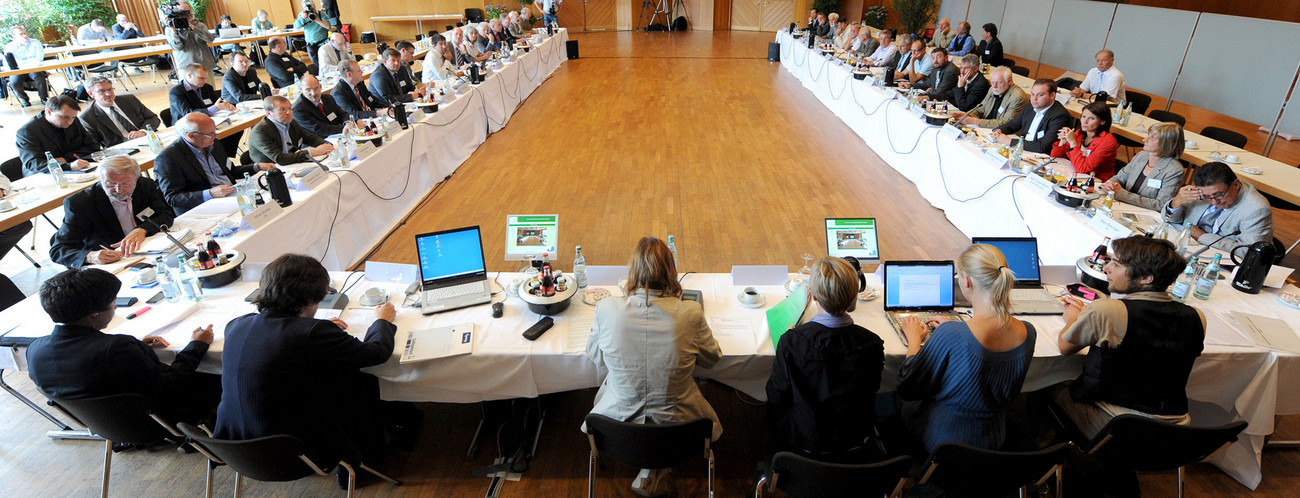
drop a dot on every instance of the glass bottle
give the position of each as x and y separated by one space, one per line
1183 286
1205 284
580 268
56 170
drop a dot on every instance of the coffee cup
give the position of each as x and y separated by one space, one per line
1191 144
5 205
751 295
513 288
374 297
1232 158
146 276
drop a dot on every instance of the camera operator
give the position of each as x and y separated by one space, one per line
189 43
316 29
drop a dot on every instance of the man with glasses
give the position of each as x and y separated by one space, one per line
195 168
278 139
1003 101
112 118
110 215
52 131
316 111
353 97
1224 211
971 86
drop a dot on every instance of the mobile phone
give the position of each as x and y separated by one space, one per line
140 266
155 299
126 301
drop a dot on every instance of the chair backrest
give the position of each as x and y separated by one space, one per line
1067 83
1146 444
474 15
801 476
12 169
10 61
1021 70
1141 101
276 458
121 418
1119 164
649 446
967 470
10 294
1226 136
1167 117
166 116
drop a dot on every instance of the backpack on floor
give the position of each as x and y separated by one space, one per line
679 24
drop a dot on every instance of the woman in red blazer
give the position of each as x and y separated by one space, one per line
1091 148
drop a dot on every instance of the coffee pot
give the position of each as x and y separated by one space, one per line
275 182
1253 268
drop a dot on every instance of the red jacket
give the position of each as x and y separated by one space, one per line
1100 157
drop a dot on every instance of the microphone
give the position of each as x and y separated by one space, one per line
1216 241
143 217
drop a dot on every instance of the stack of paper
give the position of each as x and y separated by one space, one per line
438 343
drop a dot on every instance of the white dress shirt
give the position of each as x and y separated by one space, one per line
1111 81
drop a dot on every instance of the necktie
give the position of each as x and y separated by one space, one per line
122 119
364 107
117 121
1208 218
321 106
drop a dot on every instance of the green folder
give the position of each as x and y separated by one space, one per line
786 314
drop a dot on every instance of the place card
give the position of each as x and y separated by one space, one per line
392 127
417 115
263 215
1103 223
313 179
1039 184
364 150
891 93
995 159
951 132
918 111
870 80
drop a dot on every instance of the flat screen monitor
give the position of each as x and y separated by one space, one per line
450 254
532 234
853 237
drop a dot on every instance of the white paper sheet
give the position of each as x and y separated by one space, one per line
579 330
1269 332
1223 332
438 343
735 334
159 316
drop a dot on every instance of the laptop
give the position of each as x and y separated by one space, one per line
920 289
226 33
1028 297
452 272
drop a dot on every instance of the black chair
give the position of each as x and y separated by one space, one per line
166 116
1145 444
801 476
647 446
1119 165
1067 83
474 15
276 458
13 170
121 418
245 158
10 294
1225 135
1021 70
12 63
967 470
1167 117
1141 101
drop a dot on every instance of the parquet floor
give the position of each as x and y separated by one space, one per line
693 135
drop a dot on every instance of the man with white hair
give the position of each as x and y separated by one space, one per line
483 38
337 50
119 213
500 36
515 25
195 168
1004 101
470 46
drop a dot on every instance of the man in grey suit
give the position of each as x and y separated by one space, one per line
190 45
278 139
943 76
113 118
1224 211
1003 102
1037 124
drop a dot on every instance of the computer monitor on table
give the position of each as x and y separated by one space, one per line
853 237
532 235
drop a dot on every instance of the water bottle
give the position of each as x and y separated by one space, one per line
1185 238
56 170
190 282
167 280
672 247
1017 155
1205 284
1183 286
580 268
155 145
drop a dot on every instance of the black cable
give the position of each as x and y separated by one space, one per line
843 89
944 179
854 90
347 287
338 204
683 276
890 139
1016 203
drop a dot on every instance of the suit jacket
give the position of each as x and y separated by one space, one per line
326 56
967 97
1168 175
1251 215
483 43
283 374
264 144
1012 103
351 104
392 88
38 136
100 125
946 76
89 221
283 68
307 115
122 33
1054 118
869 47
990 52
184 102
236 88
182 179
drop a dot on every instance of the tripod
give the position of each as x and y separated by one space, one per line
678 6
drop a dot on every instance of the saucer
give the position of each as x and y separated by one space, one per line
869 294
12 207
380 296
762 300
143 283
593 296
1252 171
1225 159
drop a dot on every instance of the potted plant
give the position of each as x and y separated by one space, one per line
915 15
494 11
876 16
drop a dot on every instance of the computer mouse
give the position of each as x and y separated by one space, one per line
497 310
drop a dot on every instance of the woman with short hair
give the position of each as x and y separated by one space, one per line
1091 148
1154 175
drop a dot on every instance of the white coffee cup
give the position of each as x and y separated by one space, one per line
751 295
1232 158
146 276
374 296
513 288
1191 144
5 205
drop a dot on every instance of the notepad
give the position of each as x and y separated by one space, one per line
438 343
786 313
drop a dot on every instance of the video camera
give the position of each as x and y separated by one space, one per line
178 19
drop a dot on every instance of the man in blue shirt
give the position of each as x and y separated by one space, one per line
195 168
278 139
28 53
963 44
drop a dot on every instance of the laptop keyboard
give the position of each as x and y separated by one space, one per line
1034 295
456 290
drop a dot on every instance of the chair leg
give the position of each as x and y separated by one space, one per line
591 474
352 477
1059 482
710 472
108 465
1180 482
239 481
380 475
758 488
28 256
207 478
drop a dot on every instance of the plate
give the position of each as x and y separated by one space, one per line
869 294
762 300
1286 303
12 207
1252 171
593 296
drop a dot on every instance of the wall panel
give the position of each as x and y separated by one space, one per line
1149 44
1029 19
1077 31
1212 77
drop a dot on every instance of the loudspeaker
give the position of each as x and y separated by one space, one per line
572 47
774 52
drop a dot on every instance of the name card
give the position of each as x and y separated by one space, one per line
950 131
993 158
1102 222
313 179
1063 98
1039 184
869 80
364 150
392 127
918 111
891 93
418 115
263 215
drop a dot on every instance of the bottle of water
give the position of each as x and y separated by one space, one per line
1183 286
1017 154
672 247
1185 238
155 145
56 170
1205 284
580 268
167 281
190 282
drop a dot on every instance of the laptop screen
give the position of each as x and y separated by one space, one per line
852 237
1021 254
450 253
918 285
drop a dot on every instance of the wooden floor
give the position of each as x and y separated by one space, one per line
693 135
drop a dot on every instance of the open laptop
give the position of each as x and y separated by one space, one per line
918 288
227 33
1028 297
452 272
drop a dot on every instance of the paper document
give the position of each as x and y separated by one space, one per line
575 341
786 314
1220 332
1269 332
735 335
160 244
160 316
438 343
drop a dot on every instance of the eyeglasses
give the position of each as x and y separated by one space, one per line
208 135
119 185
1217 196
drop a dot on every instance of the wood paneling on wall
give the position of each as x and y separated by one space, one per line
145 14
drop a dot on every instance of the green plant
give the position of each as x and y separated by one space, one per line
915 15
826 6
58 14
494 11
200 9
876 16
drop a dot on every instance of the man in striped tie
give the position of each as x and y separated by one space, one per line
1224 211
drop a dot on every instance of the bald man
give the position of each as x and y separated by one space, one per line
316 111
195 168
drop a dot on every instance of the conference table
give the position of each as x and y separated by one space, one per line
86 60
980 198
143 40
418 18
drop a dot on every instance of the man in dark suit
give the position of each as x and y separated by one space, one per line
316 111
124 29
195 168
282 67
971 87
1040 124
78 360
110 215
392 82
278 139
943 76
52 131
353 97
112 118
241 83
194 94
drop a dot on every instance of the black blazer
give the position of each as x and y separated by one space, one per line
990 52
236 88
182 178
320 124
101 127
969 96
347 100
264 143
284 374
283 68
1054 118
89 221
38 136
947 76
122 33
392 88
184 102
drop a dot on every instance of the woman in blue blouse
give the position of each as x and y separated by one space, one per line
957 380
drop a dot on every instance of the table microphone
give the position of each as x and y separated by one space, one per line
1216 241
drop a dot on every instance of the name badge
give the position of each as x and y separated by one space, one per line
1086 152
1002 110
1154 182
330 116
986 52
252 84
1039 136
401 83
284 58
918 112
207 101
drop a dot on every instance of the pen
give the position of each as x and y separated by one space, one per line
104 247
139 312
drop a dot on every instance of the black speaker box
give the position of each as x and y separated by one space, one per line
774 52
572 47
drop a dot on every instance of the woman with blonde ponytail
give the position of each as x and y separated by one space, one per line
957 380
